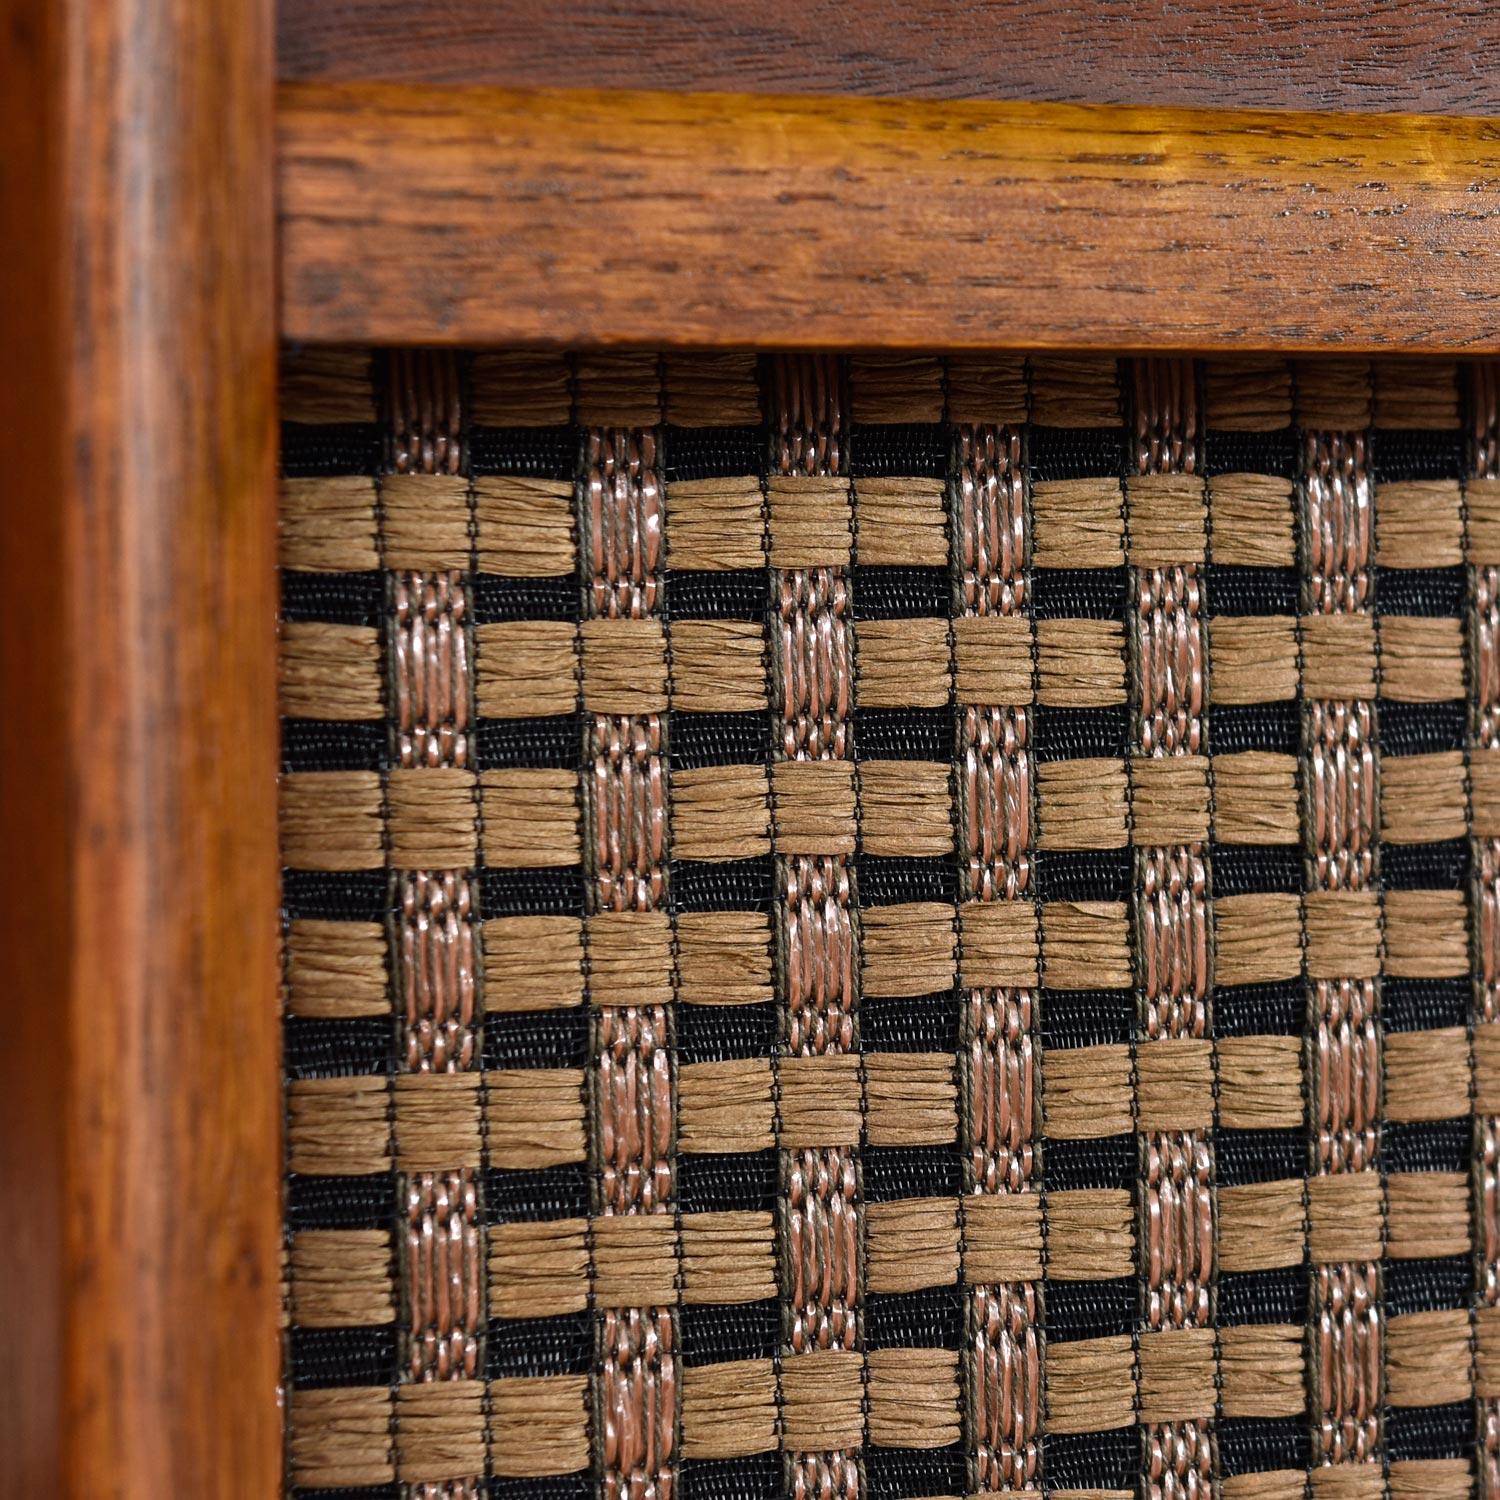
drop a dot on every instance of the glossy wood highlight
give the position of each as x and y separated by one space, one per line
139 1080
1432 56
490 216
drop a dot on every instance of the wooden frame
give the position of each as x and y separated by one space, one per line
734 220
141 1117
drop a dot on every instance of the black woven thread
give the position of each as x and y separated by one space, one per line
719 740
324 1357
758 1476
1240 869
1438 1284
886 880
1424 1004
1104 1162
720 1333
1429 1432
1428 1145
529 893
1250 452
890 1173
906 1473
1276 727
578 1486
1079 593
320 450
545 743
1083 874
913 1023
537 452
727 1180
498 601
1415 454
1092 1460
727 885
344 1047
1257 1445
735 594
931 1318
338 896
912 449
903 734
1245 1156
1279 1295
333 745
365 1202
1425 867
332 598
1421 728
718 1033
537 1039
1089 1309
1433 592
712 452
902 594
1086 1018
563 1345
1075 452
1250 591
1260 1010
534 1194
1078 733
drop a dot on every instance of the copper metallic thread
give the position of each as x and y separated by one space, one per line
825 1476
436 970
996 802
635 1108
1002 1089
626 515
1169 657
629 788
426 415
443 1275
1179 1229
638 1403
815 653
1007 1392
1339 521
1172 909
822 1231
820 956
991 520
1166 415
807 402
1344 799
1346 1089
430 652
1179 1461
1347 1339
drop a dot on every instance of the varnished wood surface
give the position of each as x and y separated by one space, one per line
1434 56
472 216
141 1125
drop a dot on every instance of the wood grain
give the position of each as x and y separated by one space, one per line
474 216
1425 56
138 1082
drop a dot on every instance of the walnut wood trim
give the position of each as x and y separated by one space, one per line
140 1117
487 216
1430 56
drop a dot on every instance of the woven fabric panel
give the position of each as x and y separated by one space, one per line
888 927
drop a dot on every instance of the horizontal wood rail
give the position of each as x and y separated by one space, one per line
1431 56
476 215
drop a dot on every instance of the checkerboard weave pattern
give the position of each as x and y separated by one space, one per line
891 927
